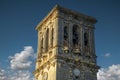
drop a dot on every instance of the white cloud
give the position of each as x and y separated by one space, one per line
110 73
2 76
20 65
107 54
20 75
21 60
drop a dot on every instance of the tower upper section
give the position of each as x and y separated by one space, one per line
58 10
66 38
69 30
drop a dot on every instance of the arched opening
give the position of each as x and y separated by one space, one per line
41 45
65 36
47 40
85 39
52 37
86 42
75 34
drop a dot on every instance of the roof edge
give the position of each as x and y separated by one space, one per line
53 9
57 6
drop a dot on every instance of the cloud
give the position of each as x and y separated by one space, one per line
20 75
110 73
2 76
20 65
107 54
22 60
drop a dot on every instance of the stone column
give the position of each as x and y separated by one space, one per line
81 38
55 35
89 41
55 42
93 41
50 36
83 31
60 31
92 48
39 44
60 35
70 35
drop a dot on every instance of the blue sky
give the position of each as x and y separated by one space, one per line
18 19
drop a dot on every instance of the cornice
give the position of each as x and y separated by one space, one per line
45 19
77 14
59 8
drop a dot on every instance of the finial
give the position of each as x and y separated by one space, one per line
57 5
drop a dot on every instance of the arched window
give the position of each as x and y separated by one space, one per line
52 37
86 42
66 36
85 39
47 40
75 35
41 45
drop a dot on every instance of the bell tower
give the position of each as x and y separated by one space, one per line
66 47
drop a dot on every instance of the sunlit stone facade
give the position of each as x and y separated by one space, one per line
66 47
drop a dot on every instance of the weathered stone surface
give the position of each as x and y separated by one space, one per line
66 48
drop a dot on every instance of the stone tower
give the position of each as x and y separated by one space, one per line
66 48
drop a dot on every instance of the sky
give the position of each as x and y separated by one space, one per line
18 42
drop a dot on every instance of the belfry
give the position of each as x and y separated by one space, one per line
66 47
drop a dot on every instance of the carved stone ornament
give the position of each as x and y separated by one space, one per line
66 44
45 76
48 67
76 72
